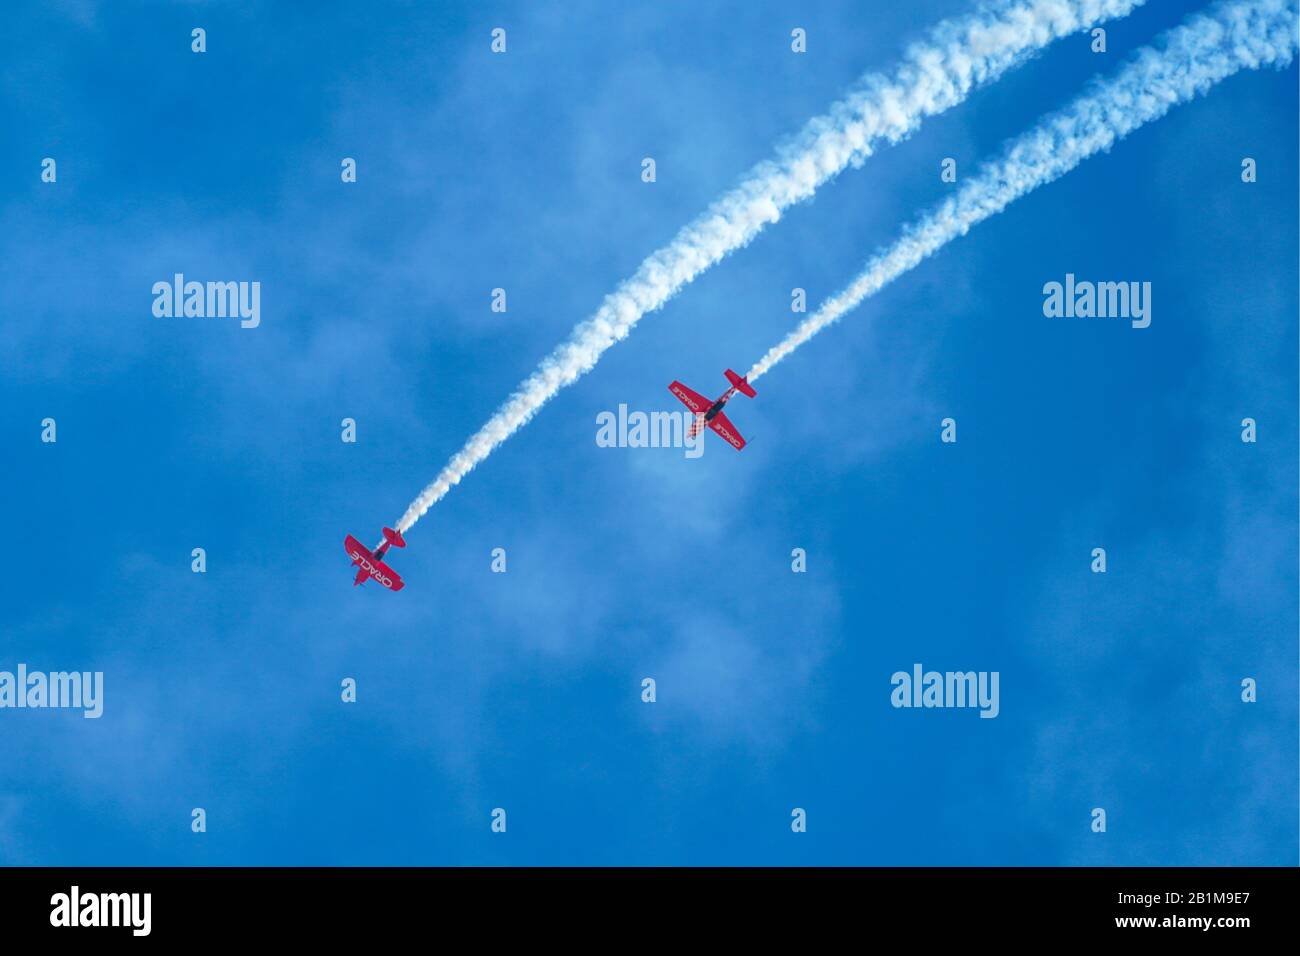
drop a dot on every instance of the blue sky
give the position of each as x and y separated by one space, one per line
522 690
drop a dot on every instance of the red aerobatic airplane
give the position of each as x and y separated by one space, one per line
372 563
710 413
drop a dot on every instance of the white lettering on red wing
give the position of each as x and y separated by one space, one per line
371 570
687 399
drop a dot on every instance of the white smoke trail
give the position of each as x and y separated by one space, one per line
936 74
1186 61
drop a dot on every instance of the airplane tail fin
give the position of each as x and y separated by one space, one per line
741 385
394 538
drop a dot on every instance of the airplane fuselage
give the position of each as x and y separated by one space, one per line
359 560
371 561
717 406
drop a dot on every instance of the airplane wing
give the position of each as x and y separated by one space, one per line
385 575
722 425
355 549
692 400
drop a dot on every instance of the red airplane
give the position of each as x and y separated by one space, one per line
372 563
710 413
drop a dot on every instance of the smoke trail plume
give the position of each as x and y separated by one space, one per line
936 74
1184 62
